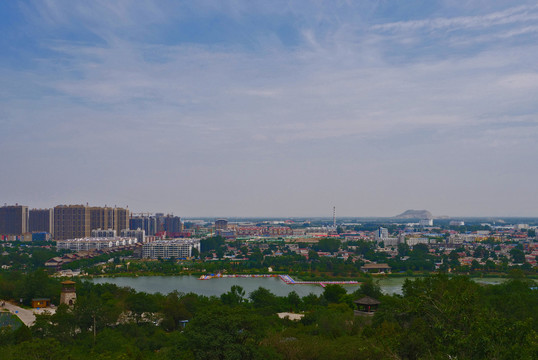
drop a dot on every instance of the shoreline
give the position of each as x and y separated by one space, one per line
315 279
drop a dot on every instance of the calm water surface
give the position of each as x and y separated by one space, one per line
186 284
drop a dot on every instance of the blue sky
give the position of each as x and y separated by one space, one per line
271 108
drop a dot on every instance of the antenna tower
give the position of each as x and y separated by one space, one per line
334 217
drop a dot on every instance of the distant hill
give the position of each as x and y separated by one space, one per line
415 214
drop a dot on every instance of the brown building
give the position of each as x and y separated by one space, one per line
375 268
121 219
13 220
108 218
71 222
41 220
40 303
221 224
172 224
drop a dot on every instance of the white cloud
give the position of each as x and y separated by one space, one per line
291 121
519 14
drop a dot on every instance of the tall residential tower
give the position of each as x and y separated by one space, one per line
13 219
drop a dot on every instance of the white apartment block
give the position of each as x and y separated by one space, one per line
90 244
167 249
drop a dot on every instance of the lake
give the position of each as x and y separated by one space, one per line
186 284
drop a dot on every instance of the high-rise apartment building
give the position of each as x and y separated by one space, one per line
106 218
144 222
221 224
13 219
122 219
160 222
41 220
382 233
71 222
172 224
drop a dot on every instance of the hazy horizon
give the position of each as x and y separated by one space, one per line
254 108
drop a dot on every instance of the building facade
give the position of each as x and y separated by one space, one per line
139 234
41 220
145 222
94 244
98 233
426 222
167 249
382 233
105 218
71 221
13 220
172 224
221 224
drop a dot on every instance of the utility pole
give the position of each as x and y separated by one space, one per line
94 329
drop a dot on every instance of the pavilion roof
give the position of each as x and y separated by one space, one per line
367 301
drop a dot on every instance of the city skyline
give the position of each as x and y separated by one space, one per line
255 109
423 214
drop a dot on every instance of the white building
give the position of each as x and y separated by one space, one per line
382 233
520 227
99 233
415 241
391 241
166 249
139 234
426 222
90 244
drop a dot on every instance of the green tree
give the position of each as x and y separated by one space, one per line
518 256
420 251
92 313
211 243
312 255
40 349
173 310
369 288
264 300
490 265
294 301
475 265
333 292
139 303
221 332
64 326
403 249
328 245
235 296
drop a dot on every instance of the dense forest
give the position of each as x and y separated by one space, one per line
436 317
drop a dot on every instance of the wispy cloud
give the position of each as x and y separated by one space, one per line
514 15
254 109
